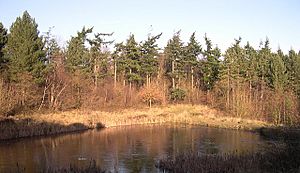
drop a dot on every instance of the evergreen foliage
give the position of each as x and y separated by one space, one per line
3 41
24 50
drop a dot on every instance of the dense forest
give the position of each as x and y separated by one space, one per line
94 72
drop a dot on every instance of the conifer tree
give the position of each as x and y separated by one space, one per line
51 46
250 68
193 50
277 76
98 57
174 52
77 54
210 65
3 41
232 70
24 49
264 56
117 61
293 67
149 61
131 61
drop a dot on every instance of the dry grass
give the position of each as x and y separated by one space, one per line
188 114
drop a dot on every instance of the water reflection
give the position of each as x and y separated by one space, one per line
124 149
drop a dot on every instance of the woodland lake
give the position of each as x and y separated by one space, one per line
125 149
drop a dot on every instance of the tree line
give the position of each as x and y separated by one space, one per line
37 74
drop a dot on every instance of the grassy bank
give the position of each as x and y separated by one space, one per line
59 122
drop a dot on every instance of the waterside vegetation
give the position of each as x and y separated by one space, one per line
37 74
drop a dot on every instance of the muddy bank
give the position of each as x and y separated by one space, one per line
14 129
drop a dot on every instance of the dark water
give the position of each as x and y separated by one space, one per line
124 149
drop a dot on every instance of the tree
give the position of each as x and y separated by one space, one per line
117 55
57 78
233 70
174 53
98 57
149 62
292 62
78 63
24 49
210 65
131 61
277 76
51 46
250 67
193 50
77 54
3 41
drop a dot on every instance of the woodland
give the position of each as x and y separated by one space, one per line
94 72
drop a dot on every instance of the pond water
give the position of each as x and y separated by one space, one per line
124 149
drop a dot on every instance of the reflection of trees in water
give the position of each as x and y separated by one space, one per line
211 140
131 148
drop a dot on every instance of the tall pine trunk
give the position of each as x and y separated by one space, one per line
228 89
173 71
192 78
115 74
130 83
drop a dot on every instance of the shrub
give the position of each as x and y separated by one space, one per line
151 94
178 94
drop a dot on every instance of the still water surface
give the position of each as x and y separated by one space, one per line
124 149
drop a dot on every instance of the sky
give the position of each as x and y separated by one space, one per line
222 20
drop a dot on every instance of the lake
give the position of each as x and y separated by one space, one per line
124 149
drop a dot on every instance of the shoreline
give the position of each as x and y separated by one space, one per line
24 126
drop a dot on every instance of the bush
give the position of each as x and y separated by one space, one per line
178 94
151 94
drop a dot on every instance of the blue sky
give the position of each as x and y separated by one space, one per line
222 20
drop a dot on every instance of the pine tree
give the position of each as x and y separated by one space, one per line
250 68
193 50
233 71
292 62
277 72
24 49
51 46
210 65
117 61
131 61
174 52
264 56
3 41
78 63
77 59
149 61
98 57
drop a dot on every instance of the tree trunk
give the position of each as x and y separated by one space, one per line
262 94
43 98
115 74
228 89
173 71
192 83
52 97
96 75
147 80
130 71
